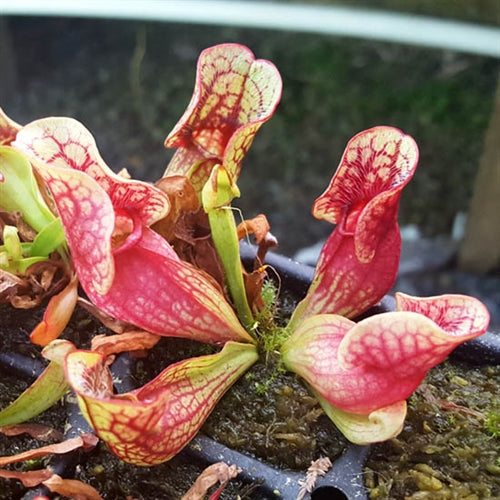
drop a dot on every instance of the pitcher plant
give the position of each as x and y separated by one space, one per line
75 231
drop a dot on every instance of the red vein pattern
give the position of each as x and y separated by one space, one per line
234 95
359 262
456 314
66 143
363 196
365 366
142 280
150 425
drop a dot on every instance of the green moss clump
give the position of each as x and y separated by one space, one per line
277 420
449 446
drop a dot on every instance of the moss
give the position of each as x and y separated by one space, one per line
448 447
492 422
277 419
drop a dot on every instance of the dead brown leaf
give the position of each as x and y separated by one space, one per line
253 288
25 231
108 321
42 280
86 441
36 431
128 341
187 229
11 286
260 228
183 198
30 478
426 392
450 405
71 488
215 473
201 253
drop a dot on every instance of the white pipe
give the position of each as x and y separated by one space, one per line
331 20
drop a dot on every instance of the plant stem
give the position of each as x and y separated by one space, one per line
217 195
226 242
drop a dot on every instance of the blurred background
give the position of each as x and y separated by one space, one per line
129 82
